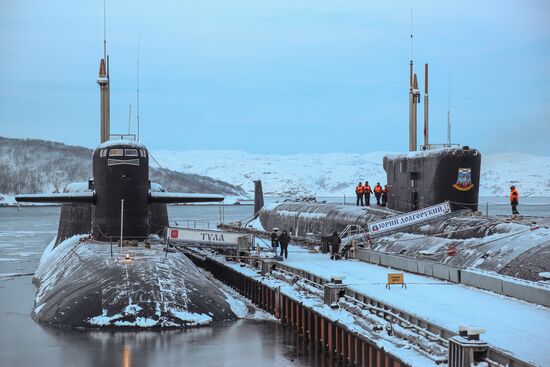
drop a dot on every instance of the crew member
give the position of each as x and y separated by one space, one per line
335 241
367 191
359 192
378 193
514 199
385 195
274 240
284 239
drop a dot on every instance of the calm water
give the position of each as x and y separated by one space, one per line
24 235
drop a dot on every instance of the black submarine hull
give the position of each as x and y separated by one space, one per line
80 284
482 243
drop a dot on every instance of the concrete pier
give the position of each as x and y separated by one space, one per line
358 340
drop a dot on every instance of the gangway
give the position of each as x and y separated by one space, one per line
351 235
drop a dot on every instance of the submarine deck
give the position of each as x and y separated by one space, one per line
519 327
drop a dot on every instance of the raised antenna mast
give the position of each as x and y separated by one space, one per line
129 118
103 81
104 31
414 98
449 111
411 36
137 87
426 109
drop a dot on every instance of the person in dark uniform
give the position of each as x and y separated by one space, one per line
367 191
385 195
284 239
335 241
514 199
274 240
359 192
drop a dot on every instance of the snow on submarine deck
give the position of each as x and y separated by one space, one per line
521 328
79 284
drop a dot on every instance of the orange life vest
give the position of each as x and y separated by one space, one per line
367 189
359 189
514 196
377 189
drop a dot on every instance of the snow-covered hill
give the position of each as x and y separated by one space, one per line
31 166
337 174
34 165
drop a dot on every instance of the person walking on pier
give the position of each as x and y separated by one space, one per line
514 199
335 242
385 195
378 193
284 239
274 240
367 191
359 192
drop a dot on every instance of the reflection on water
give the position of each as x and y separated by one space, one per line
240 343
126 356
26 343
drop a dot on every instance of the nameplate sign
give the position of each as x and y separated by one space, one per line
407 219
205 236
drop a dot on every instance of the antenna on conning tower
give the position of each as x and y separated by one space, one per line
414 98
449 110
103 81
137 87
129 118
411 36
104 31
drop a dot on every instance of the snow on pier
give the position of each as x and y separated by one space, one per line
518 327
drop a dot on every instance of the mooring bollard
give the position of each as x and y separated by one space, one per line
334 290
267 266
466 349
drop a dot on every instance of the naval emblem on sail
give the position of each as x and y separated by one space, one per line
464 179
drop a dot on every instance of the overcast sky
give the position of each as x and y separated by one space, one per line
281 76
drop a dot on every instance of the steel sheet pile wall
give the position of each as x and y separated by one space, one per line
327 335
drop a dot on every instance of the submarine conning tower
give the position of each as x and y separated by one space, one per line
121 182
424 178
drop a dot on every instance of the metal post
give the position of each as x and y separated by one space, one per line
487 209
93 220
426 128
121 222
111 243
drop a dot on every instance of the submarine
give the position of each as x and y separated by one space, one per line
435 174
107 266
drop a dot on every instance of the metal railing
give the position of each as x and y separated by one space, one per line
131 137
495 355
196 224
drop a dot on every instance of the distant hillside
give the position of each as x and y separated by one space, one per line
32 166
336 174
35 165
